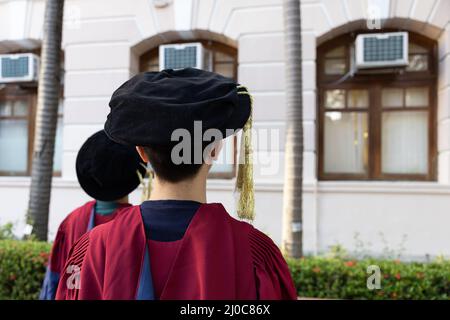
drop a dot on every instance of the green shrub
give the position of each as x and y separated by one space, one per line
338 278
6 232
22 268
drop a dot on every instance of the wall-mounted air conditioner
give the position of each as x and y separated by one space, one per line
381 50
184 55
20 67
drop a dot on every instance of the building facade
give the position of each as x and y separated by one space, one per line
376 146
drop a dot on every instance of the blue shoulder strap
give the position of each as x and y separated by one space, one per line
91 223
49 286
145 289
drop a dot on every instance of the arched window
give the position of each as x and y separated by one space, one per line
223 60
377 124
18 103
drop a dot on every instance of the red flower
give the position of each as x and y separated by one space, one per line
44 255
386 276
12 277
397 276
350 263
316 269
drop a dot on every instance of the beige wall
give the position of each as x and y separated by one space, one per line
103 39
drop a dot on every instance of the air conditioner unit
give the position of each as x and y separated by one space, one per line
381 50
184 55
20 67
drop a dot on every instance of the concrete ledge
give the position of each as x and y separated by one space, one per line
387 187
267 185
213 184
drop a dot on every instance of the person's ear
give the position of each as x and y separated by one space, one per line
215 151
211 153
142 153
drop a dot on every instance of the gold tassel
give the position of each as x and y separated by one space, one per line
146 187
244 180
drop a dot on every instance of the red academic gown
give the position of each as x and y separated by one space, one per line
218 257
76 224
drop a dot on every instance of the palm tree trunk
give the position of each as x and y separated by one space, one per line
293 175
46 119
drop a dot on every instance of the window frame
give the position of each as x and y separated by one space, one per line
214 47
13 92
374 84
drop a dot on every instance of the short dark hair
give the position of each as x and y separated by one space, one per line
163 166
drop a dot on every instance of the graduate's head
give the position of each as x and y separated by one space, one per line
177 119
106 170
167 168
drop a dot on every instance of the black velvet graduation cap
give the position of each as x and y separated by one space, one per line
149 107
146 109
107 170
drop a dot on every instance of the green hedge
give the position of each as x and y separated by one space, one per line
22 268
338 278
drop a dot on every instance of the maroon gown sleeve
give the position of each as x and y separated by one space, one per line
57 259
273 279
59 251
84 271
67 289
